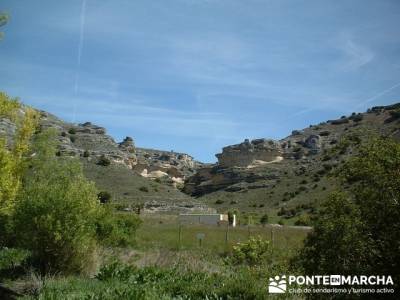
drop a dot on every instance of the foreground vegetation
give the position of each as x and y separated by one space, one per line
61 240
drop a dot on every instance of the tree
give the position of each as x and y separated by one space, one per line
56 211
358 232
336 246
3 21
12 152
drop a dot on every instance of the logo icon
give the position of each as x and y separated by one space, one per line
277 285
335 280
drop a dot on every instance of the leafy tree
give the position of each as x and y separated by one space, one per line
358 232
337 228
3 21
12 152
56 211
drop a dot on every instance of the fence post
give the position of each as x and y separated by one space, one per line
179 235
226 236
272 236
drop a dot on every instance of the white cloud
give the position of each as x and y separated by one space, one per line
356 55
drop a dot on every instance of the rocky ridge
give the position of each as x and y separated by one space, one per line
119 168
260 163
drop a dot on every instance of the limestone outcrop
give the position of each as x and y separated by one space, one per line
89 141
156 164
249 152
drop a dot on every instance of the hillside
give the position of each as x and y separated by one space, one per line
287 179
116 168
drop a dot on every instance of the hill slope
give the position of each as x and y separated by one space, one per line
286 178
113 166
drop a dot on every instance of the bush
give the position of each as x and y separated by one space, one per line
72 139
357 118
324 133
144 189
252 252
264 219
303 220
104 161
340 121
219 201
86 153
357 231
117 229
72 130
104 197
56 212
326 157
298 154
302 189
10 259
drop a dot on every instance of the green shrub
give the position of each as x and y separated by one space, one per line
10 259
104 161
86 153
116 270
72 139
357 118
264 219
325 133
56 212
117 229
253 252
144 189
72 130
219 201
303 220
340 121
104 197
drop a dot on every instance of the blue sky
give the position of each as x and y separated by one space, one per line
196 75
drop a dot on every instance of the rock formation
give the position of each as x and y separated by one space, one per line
89 141
248 152
156 164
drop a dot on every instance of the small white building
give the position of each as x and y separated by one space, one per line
209 219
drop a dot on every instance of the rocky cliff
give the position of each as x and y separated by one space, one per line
261 162
89 141
173 165
121 169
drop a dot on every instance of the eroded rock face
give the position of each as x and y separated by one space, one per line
248 152
89 141
168 163
7 130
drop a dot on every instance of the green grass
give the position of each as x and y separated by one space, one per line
126 186
163 232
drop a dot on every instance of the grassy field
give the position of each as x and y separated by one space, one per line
164 231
